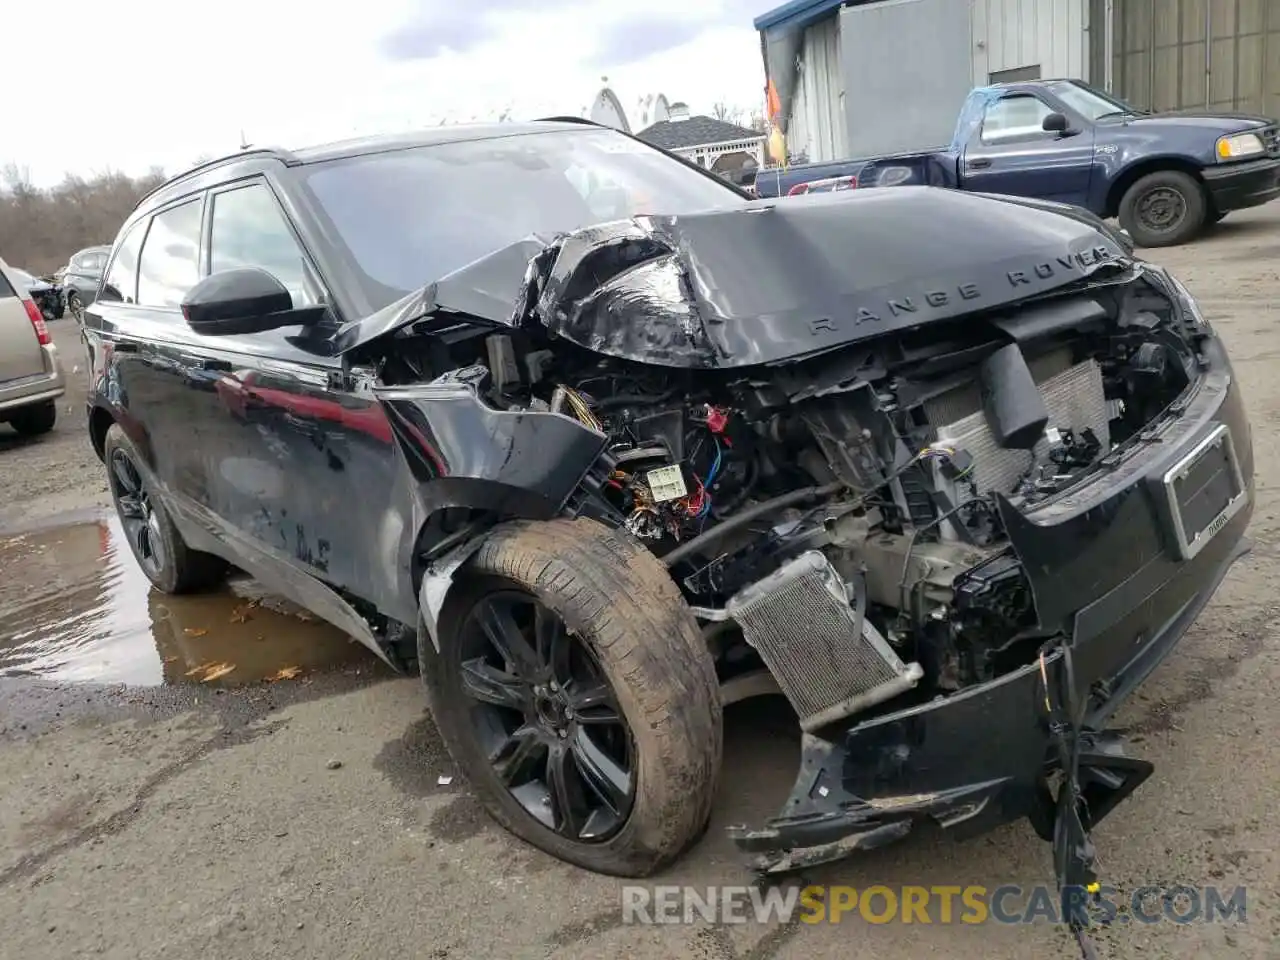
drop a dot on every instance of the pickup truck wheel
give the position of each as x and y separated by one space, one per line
574 690
165 558
1164 209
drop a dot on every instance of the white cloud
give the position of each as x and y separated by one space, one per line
137 83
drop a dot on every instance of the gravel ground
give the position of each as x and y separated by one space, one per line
319 817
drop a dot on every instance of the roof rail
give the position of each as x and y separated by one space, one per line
582 120
277 153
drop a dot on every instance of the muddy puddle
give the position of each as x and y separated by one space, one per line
75 607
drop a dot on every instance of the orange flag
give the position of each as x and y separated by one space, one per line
773 105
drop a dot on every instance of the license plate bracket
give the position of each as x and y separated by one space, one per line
1205 489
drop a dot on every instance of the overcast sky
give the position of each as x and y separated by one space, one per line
134 83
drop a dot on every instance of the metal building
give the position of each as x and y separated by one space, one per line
1179 54
875 76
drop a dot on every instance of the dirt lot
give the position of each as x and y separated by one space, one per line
160 816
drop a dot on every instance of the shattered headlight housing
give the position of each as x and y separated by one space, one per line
1185 303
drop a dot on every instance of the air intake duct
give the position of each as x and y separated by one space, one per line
1015 410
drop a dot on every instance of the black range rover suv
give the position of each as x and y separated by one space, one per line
599 444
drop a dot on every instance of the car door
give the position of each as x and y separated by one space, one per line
1010 152
145 331
306 467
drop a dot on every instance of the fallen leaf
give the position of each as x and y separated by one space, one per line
169 659
200 669
284 673
240 614
216 671
195 631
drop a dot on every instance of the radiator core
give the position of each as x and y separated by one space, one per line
828 659
1074 397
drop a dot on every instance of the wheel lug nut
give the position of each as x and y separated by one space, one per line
554 687
562 733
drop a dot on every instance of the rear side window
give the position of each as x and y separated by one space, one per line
121 282
6 289
250 230
169 265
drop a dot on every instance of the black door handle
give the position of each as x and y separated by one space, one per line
123 346
979 162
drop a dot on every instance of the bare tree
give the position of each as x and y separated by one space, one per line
728 114
41 228
757 121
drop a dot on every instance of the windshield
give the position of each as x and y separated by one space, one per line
409 217
23 277
1090 103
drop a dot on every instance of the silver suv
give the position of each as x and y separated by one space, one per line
31 376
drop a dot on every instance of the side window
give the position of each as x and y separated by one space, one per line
121 282
1014 117
169 265
92 263
250 230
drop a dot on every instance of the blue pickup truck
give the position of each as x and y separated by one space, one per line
1164 175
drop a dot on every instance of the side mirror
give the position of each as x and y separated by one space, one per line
1056 123
243 300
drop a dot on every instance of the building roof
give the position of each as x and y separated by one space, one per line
798 13
694 132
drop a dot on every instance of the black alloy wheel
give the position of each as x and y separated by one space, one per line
546 717
138 517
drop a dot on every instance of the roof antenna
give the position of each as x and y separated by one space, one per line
244 144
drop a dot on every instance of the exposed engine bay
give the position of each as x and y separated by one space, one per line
837 519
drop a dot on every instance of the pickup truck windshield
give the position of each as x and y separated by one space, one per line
409 217
1090 103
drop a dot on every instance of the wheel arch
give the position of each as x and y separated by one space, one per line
445 541
100 421
1131 174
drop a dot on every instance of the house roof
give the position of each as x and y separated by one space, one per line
694 132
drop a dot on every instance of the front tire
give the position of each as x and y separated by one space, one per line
1164 209
76 306
575 691
165 558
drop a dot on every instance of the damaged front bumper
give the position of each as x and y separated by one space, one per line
1111 565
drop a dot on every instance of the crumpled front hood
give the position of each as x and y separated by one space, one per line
770 280
776 280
